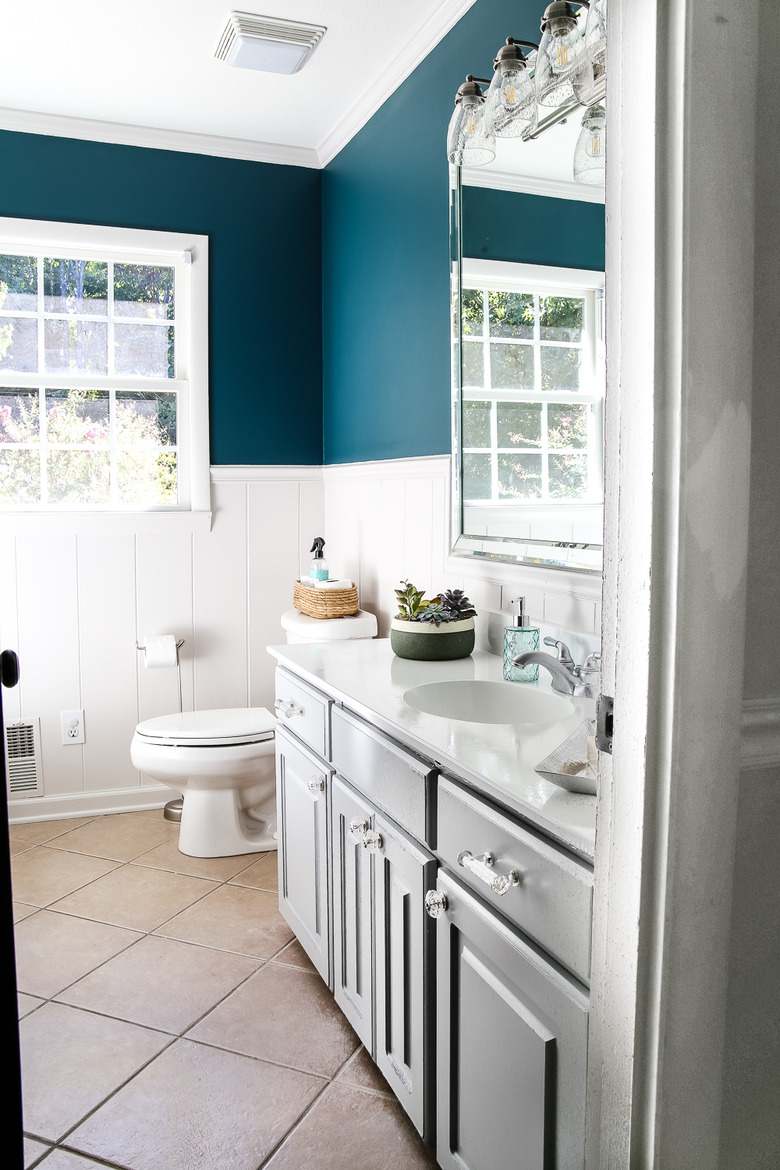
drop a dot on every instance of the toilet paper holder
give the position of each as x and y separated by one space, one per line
179 644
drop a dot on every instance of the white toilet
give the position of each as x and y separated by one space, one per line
222 762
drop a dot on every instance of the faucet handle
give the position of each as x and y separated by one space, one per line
564 653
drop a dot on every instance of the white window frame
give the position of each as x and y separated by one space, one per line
188 254
543 280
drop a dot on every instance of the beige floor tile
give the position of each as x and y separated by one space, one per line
233 918
33 1152
27 1003
161 983
21 911
262 874
198 1106
54 950
66 1160
38 832
284 1015
15 847
135 897
119 838
219 869
350 1127
42 875
72 1060
293 955
361 1072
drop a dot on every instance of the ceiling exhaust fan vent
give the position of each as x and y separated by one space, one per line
267 43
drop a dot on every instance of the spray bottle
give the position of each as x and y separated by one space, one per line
318 570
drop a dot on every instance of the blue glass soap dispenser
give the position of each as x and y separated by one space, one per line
518 638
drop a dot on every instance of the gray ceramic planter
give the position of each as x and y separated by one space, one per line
429 643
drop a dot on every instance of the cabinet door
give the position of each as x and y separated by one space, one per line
352 917
512 1047
404 935
302 784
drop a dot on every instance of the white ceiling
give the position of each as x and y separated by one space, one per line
143 73
150 65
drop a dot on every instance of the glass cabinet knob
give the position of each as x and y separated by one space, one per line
435 903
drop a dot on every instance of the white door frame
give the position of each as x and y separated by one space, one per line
680 191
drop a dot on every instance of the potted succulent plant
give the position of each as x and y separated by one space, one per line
434 630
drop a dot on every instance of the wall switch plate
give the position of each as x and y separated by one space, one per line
72 726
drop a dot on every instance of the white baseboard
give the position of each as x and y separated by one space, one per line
88 804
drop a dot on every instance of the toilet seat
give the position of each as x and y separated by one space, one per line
219 728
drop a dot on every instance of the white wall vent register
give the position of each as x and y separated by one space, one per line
267 43
23 756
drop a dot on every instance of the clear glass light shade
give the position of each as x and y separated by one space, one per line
510 102
596 32
590 152
470 141
559 64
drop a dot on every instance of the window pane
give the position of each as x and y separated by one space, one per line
567 424
143 290
147 478
511 314
146 418
20 476
18 283
75 286
519 424
476 477
19 421
76 345
476 424
77 416
560 318
19 344
519 477
145 350
568 476
78 477
512 367
471 311
473 363
560 368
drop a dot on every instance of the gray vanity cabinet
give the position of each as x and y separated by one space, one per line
302 787
381 944
511 1046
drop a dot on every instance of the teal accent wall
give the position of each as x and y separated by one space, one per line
263 224
385 226
532 229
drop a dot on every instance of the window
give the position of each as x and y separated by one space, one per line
532 415
103 369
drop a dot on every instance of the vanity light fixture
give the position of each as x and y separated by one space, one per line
267 43
567 71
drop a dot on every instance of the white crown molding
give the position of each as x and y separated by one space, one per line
760 738
438 24
255 474
93 130
531 185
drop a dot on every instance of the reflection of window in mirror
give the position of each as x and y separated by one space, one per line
532 392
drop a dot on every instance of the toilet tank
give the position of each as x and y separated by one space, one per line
298 627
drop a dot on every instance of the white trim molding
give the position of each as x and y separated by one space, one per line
89 804
425 465
760 736
155 138
237 473
533 185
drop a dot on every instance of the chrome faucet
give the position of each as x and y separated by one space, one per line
567 679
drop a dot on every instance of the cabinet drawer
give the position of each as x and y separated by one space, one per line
303 711
552 902
395 780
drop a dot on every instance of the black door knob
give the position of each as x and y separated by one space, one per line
9 668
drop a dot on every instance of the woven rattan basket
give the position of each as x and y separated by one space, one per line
325 603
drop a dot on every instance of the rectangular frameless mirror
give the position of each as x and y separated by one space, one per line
527 402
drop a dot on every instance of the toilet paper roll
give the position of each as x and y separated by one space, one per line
160 652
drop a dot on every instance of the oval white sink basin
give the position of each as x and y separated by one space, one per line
479 701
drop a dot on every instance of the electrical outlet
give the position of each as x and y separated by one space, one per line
72 726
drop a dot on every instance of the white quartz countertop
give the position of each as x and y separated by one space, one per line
497 759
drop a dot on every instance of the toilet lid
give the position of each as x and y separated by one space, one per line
230 725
